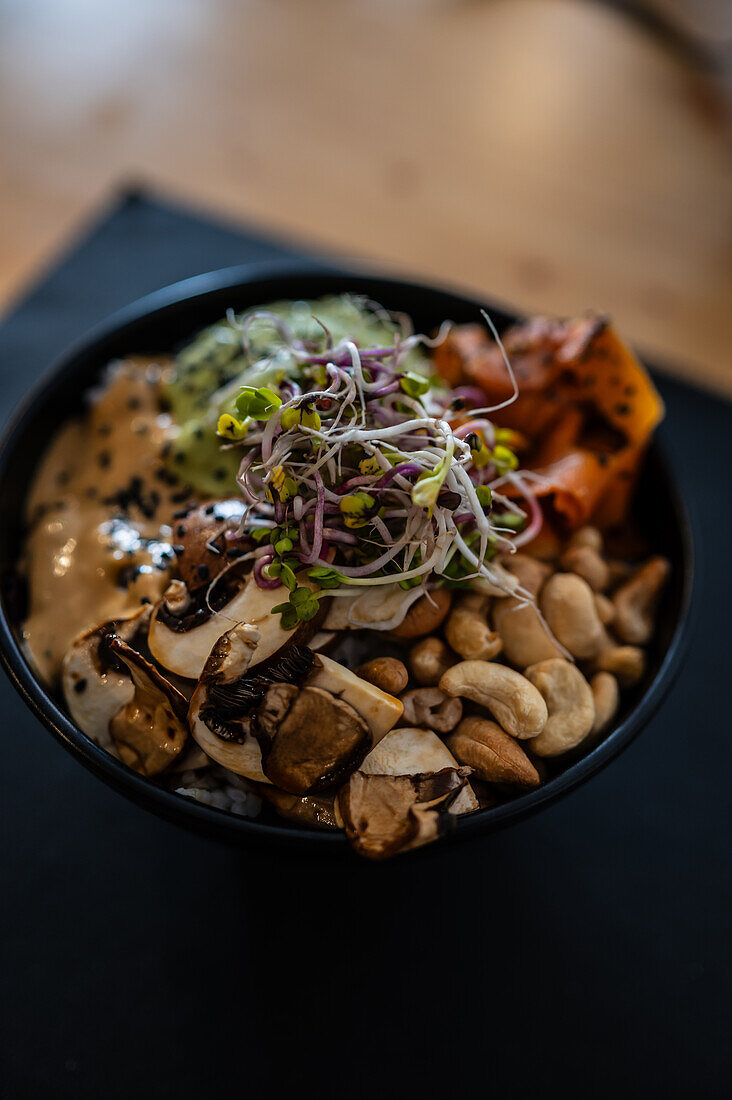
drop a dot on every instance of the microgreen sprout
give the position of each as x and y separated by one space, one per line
351 472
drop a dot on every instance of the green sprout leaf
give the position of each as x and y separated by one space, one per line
414 385
325 577
428 484
258 403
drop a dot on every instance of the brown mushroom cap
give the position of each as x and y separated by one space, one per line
309 739
387 814
200 541
315 810
151 730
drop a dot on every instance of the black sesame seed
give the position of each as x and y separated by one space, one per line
180 530
133 403
80 686
219 474
145 600
104 460
203 572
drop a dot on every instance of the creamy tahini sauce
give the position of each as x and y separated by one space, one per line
98 515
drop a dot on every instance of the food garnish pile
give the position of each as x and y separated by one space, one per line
371 579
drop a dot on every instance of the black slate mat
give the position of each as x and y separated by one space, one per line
585 950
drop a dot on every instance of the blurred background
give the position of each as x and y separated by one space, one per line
553 154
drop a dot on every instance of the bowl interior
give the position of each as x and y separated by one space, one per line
161 322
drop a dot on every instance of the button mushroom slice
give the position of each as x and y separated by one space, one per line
411 751
387 814
150 731
236 712
310 739
381 607
315 810
218 713
380 710
323 640
183 629
95 685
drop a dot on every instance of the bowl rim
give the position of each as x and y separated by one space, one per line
221 823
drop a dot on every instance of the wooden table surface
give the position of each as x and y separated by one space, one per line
549 153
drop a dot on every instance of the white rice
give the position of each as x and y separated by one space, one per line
218 787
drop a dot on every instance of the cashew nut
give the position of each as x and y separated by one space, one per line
568 604
618 571
569 703
636 601
529 572
505 582
428 659
525 638
606 695
428 706
467 629
604 607
626 662
492 754
385 673
586 563
510 697
426 615
586 536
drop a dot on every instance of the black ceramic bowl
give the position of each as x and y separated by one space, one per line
163 320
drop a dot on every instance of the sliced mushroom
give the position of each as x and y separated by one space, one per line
237 711
95 685
428 706
409 751
316 810
183 630
381 607
213 714
380 711
150 730
310 740
387 814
